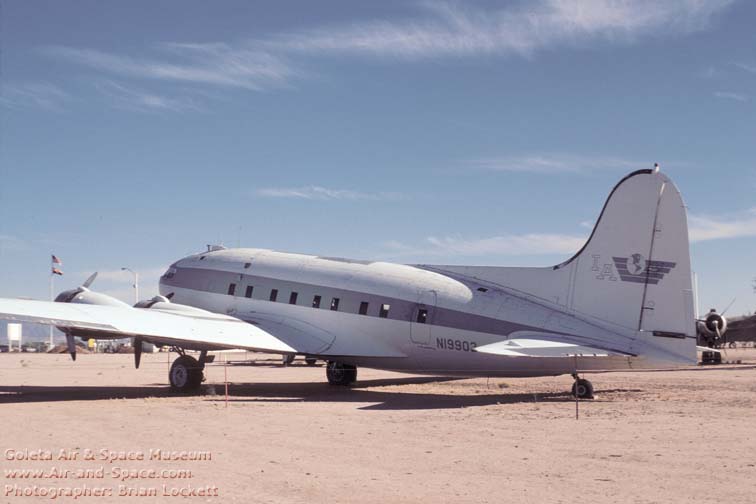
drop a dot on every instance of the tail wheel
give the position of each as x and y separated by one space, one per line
341 374
582 389
185 374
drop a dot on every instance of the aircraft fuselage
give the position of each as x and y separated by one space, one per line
413 318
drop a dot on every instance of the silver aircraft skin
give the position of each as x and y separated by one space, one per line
436 319
379 315
624 301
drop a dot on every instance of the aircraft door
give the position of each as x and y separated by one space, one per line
422 318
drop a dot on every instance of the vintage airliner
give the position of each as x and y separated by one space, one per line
624 301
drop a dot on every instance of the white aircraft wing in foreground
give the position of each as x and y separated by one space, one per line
192 328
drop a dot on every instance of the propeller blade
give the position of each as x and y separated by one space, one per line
137 351
728 306
89 280
71 345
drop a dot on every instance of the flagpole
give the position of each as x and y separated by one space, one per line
52 278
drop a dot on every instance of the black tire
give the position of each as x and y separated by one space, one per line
341 374
310 361
185 374
582 389
288 359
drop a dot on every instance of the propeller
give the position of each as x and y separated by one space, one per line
713 327
89 280
137 351
68 296
71 345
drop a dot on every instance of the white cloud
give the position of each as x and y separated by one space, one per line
9 242
33 94
509 245
729 95
324 193
701 228
558 163
129 98
147 274
460 30
708 227
443 29
215 64
746 66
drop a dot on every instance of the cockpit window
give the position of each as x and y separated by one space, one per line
170 273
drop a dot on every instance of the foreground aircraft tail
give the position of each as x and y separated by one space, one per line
633 272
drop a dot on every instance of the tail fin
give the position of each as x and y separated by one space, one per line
634 270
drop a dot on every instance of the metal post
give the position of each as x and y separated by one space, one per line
52 298
577 395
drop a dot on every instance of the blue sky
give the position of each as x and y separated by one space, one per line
134 133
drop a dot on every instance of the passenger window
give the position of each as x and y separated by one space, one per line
231 289
273 294
363 308
384 310
316 302
248 292
293 298
422 316
335 304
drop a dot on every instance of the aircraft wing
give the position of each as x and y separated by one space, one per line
311 339
522 347
196 329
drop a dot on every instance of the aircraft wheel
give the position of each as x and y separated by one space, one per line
341 374
583 389
311 361
185 374
288 359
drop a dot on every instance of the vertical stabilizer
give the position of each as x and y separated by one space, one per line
634 270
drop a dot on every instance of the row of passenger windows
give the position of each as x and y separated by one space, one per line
383 311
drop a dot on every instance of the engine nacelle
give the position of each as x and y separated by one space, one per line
713 324
83 295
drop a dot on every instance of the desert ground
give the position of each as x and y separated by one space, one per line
284 435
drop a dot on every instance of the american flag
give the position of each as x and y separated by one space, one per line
55 263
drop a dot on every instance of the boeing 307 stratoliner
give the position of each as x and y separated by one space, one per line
623 301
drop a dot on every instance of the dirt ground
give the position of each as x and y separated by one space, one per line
286 436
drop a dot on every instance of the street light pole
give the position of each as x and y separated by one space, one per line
136 283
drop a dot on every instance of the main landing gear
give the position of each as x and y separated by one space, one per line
341 374
186 374
582 388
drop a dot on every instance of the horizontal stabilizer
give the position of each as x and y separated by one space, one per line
707 349
543 348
